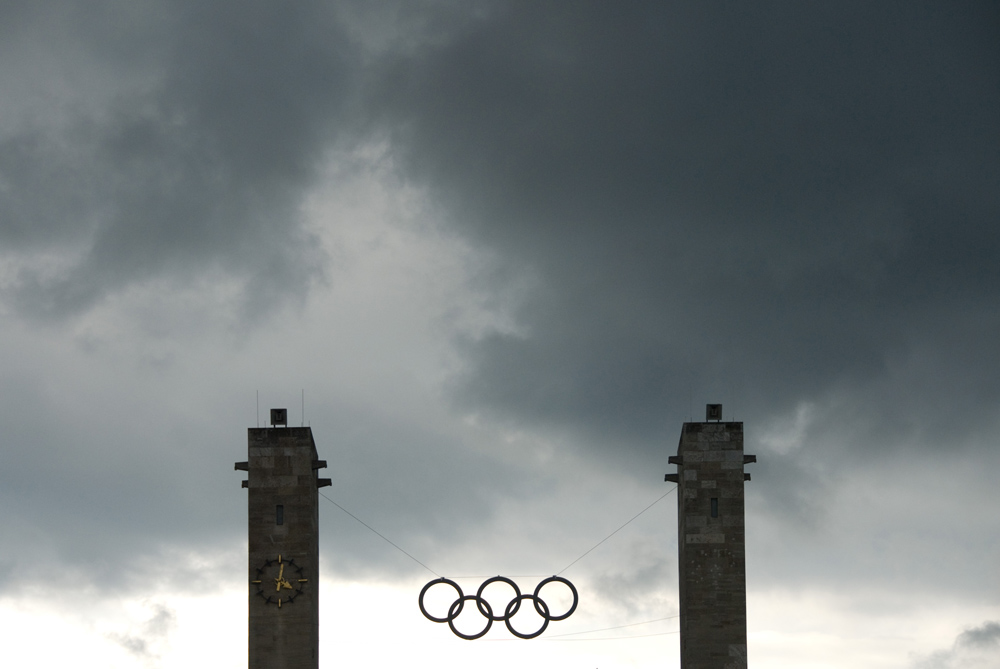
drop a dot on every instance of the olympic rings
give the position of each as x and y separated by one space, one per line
456 607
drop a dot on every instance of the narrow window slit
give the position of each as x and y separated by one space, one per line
715 507
279 514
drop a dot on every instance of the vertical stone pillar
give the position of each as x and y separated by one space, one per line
283 575
711 544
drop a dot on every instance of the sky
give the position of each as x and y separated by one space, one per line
495 254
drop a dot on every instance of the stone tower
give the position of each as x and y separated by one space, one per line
711 543
283 578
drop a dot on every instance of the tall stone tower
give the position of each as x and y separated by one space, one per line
283 528
711 543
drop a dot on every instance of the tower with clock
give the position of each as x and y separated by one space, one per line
283 576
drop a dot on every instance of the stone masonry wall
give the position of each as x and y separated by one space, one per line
711 545
282 471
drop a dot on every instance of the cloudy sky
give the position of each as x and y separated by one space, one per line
495 254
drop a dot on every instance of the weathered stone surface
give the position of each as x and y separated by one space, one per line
281 472
706 538
712 548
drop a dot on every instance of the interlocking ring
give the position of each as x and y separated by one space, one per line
515 603
538 600
480 601
456 608
452 615
539 604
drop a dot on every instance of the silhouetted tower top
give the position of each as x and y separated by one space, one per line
283 523
711 542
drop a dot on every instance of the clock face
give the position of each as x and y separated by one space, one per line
279 581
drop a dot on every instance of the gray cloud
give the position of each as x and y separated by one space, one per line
975 648
642 589
194 159
146 638
788 209
765 203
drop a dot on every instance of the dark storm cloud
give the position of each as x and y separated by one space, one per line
771 202
759 203
768 203
206 124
